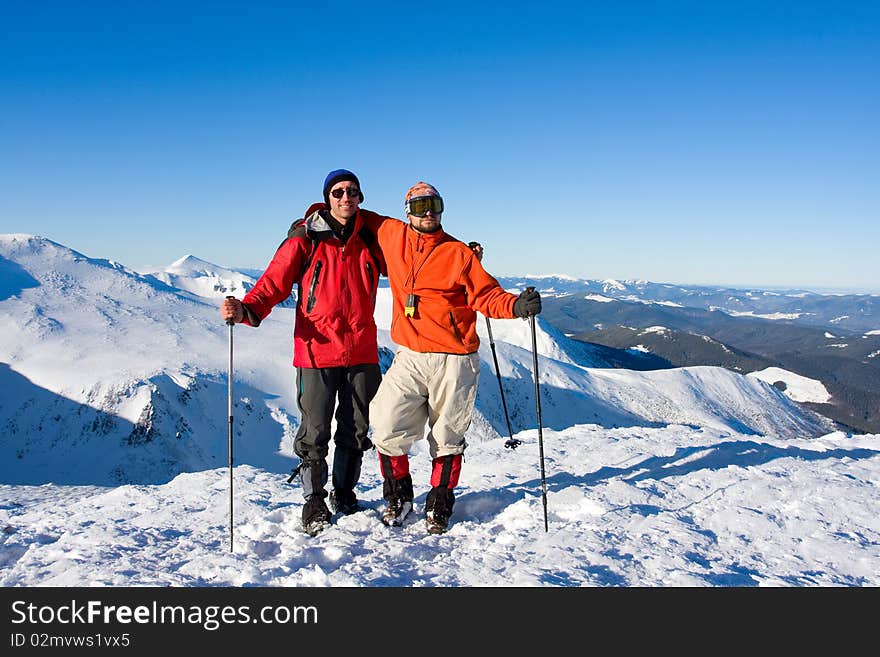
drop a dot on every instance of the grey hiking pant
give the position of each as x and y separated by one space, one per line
349 390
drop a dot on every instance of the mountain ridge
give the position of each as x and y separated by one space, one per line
116 344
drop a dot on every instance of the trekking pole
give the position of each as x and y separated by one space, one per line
513 443
230 323
538 408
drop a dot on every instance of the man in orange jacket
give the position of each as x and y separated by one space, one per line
438 285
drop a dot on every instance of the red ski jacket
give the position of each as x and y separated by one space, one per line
336 299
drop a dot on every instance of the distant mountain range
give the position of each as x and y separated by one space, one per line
845 313
834 339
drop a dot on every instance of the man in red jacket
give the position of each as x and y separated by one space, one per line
331 257
438 285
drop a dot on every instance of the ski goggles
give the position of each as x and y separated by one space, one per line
419 206
352 192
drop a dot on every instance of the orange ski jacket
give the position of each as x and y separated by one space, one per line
448 283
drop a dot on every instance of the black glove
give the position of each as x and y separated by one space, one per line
477 248
529 303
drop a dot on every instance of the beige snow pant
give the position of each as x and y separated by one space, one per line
420 388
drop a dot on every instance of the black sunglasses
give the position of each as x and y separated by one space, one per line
352 192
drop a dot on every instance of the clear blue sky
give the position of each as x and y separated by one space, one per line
694 142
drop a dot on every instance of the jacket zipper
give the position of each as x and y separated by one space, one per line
314 285
346 288
372 289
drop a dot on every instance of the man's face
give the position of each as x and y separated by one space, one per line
345 207
428 223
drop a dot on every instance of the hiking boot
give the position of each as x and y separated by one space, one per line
437 523
438 509
396 511
397 492
345 503
315 515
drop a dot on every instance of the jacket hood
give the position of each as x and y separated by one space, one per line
316 223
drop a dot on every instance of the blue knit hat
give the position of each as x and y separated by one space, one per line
337 176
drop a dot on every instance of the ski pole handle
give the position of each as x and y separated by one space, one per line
530 288
231 320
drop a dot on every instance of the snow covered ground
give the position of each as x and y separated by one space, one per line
114 449
671 506
797 387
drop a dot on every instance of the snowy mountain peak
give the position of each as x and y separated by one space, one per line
8 239
190 263
40 261
23 244
611 284
203 278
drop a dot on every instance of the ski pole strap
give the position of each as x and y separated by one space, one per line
295 472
